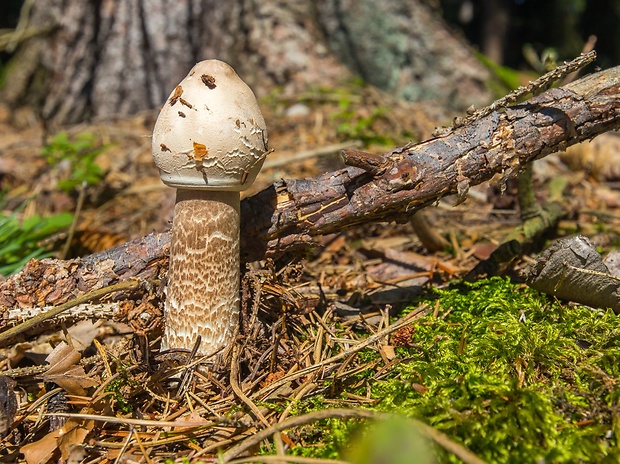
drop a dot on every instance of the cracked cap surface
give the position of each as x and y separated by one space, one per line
210 133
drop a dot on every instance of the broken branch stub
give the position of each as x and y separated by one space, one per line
571 269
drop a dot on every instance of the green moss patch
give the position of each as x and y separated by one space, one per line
507 372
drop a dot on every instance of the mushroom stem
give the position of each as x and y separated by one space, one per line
203 280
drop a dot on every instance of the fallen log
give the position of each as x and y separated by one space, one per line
390 187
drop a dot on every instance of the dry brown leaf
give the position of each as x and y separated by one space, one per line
75 434
401 265
62 357
484 250
40 452
63 439
387 353
599 157
74 380
65 371
189 422
572 269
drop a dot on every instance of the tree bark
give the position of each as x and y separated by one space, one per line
286 216
118 57
405 48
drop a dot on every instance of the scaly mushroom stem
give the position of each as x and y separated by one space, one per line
203 281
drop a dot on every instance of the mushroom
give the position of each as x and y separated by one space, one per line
209 141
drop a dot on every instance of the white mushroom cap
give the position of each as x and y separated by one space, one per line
210 134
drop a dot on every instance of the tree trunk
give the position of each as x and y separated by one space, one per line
495 27
404 47
118 57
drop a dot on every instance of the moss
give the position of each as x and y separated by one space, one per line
509 373
513 376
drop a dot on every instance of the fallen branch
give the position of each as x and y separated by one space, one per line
51 282
390 187
393 186
36 322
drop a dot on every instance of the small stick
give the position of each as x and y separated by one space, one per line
76 217
234 373
31 371
534 87
135 422
314 153
438 437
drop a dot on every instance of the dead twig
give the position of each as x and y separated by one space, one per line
535 86
234 383
314 153
134 422
438 437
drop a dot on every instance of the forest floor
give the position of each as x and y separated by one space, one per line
370 324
